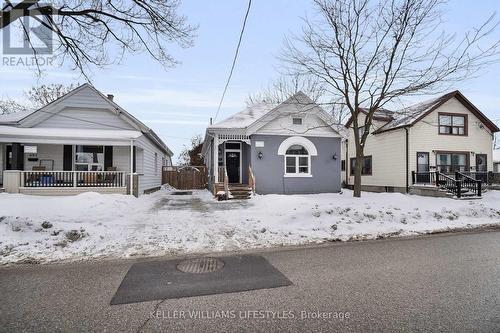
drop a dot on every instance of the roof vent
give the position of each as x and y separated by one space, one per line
110 97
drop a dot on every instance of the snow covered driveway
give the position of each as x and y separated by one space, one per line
91 225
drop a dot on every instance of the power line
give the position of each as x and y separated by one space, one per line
234 59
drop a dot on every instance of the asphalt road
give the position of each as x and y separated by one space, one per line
438 283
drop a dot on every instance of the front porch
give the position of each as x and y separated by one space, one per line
70 165
231 172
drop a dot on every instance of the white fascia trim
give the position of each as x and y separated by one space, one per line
297 140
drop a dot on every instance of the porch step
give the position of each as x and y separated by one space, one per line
240 192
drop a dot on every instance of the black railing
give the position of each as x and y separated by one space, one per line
73 179
456 184
469 183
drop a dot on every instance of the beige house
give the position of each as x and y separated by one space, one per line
406 148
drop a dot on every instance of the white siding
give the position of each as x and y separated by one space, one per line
388 153
424 137
312 124
388 149
2 162
86 119
148 179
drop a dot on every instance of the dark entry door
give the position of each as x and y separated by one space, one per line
233 166
482 167
481 163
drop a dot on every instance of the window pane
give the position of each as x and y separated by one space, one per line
458 121
367 165
444 120
303 161
290 165
455 130
303 169
461 130
296 150
232 145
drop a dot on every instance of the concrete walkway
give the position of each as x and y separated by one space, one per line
438 283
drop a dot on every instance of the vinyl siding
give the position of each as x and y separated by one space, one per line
148 179
91 118
424 137
388 149
388 153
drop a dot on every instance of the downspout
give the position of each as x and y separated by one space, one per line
345 163
407 159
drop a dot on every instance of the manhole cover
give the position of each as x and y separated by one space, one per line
200 265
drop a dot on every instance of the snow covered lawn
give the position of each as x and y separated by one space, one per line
91 225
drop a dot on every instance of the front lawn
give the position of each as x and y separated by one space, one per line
42 229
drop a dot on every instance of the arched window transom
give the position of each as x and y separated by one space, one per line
297 153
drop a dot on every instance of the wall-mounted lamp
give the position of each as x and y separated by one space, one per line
260 155
334 156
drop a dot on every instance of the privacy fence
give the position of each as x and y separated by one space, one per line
186 177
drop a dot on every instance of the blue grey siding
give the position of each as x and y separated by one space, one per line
269 170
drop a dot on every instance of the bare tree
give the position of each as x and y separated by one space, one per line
42 95
368 53
288 85
85 30
36 97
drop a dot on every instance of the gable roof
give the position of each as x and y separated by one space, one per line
254 117
409 116
246 117
13 119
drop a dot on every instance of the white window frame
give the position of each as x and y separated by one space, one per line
89 165
311 151
297 173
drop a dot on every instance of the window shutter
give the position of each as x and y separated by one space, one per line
108 157
68 158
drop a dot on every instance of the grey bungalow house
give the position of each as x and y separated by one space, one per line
81 142
288 148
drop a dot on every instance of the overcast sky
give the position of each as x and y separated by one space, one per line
177 103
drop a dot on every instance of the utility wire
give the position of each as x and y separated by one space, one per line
234 59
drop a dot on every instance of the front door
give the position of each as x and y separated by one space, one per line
423 175
481 165
233 166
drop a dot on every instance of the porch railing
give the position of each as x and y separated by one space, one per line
453 183
73 179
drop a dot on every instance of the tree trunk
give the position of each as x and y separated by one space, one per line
357 172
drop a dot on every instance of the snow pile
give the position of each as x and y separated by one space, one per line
41 229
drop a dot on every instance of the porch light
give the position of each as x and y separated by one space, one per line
260 155
334 156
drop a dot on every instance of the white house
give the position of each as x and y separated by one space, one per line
81 142
406 147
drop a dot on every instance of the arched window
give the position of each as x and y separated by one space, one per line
297 152
297 161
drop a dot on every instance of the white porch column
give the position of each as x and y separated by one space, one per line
216 158
131 166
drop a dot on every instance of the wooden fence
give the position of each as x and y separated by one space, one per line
185 177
